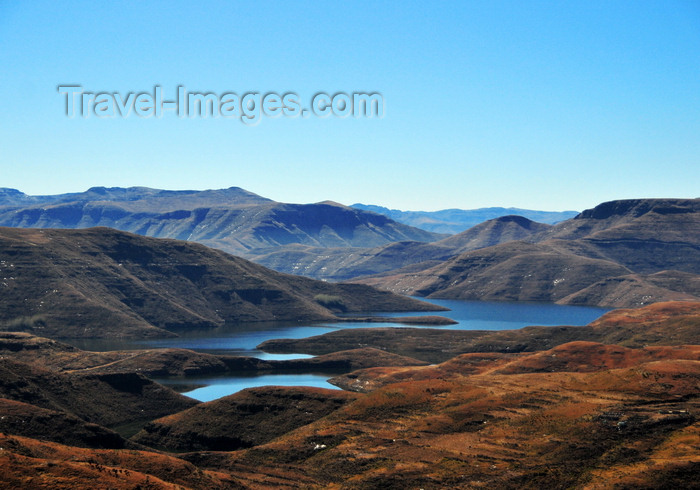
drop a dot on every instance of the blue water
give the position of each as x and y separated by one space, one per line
493 315
242 340
217 387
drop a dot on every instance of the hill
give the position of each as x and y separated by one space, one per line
541 409
106 283
455 221
23 419
620 254
245 419
110 400
340 264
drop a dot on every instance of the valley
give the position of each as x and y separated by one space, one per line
618 254
562 411
405 245
550 387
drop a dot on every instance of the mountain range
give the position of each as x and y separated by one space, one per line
233 220
324 240
620 253
453 221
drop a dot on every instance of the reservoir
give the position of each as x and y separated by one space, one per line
243 339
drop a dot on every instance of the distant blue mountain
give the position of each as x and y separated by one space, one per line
454 221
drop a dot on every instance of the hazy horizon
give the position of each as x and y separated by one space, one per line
534 105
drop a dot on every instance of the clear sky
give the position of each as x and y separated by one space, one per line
541 105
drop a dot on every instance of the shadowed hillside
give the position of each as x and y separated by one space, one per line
245 419
106 399
106 283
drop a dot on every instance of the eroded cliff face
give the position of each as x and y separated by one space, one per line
233 220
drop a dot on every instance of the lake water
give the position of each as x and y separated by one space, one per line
243 339
207 388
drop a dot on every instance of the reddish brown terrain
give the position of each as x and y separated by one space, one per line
616 409
670 323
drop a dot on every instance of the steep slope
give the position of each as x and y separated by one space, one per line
346 263
645 235
108 399
671 220
233 220
623 253
106 283
22 419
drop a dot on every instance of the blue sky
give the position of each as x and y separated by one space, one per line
543 105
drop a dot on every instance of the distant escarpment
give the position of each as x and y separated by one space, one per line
619 254
233 220
344 264
105 283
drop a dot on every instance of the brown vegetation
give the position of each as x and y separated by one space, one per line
577 414
670 323
247 418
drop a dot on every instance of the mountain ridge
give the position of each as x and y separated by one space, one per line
455 220
234 220
101 282
624 253
347 264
